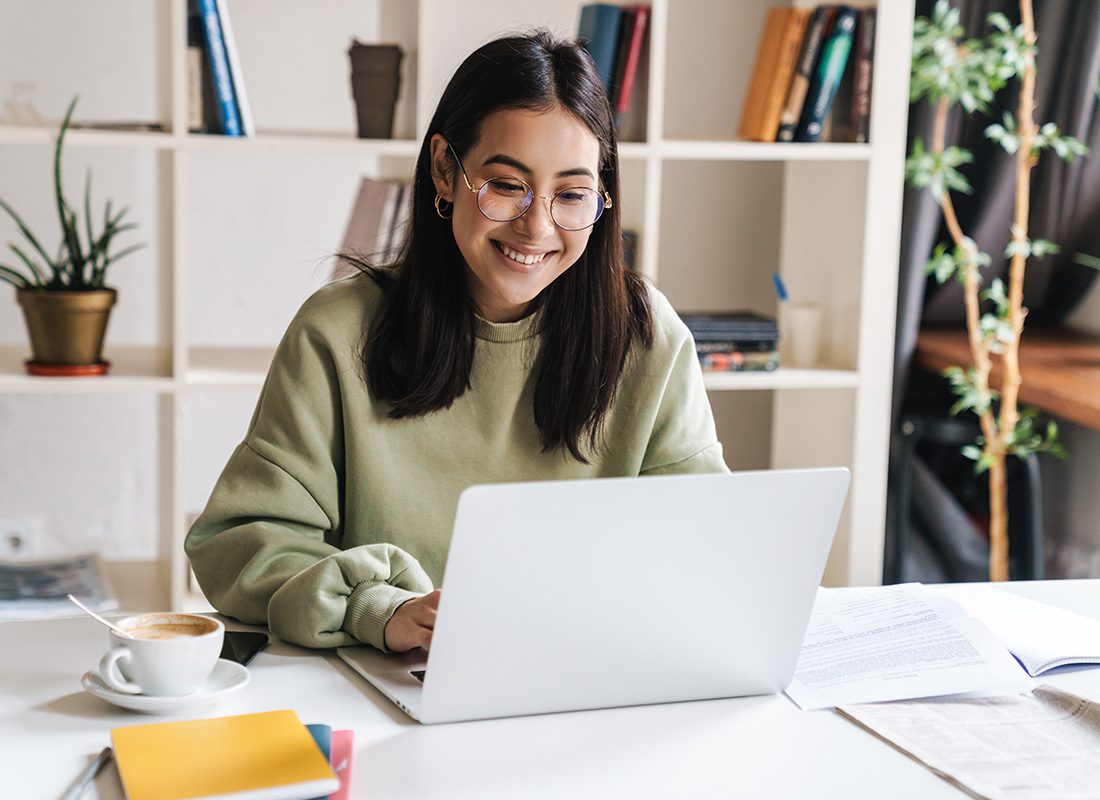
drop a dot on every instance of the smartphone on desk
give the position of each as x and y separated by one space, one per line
241 646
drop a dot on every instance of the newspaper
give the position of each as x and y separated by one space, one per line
38 589
1039 745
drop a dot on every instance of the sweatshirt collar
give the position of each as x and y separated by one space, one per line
505 332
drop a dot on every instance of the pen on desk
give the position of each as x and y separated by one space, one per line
87 776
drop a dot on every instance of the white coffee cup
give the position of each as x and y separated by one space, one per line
800 334
169 654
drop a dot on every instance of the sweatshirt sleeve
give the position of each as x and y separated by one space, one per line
683 438
259 549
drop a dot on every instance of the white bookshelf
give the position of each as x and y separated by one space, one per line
715 217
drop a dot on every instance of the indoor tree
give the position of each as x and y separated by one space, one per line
950 68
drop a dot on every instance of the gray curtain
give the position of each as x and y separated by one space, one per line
1065 208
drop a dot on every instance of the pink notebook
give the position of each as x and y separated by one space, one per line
340 758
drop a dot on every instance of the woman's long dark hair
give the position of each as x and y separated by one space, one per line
419 351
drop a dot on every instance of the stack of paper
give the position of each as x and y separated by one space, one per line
883 643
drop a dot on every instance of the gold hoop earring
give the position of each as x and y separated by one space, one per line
439 201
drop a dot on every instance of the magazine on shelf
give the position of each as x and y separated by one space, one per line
37 589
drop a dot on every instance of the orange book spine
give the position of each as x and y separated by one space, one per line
776 59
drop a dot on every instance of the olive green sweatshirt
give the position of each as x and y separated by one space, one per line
330 514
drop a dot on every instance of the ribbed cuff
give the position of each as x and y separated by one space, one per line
369 609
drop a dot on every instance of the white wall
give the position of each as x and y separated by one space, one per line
86 466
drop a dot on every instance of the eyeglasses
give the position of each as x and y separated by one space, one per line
505 199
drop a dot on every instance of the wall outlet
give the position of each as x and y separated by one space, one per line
19 536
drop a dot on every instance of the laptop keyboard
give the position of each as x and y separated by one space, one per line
418 674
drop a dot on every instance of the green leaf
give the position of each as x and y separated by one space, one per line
9 275
88 206
1000 22
39 279
63 211
972 452
1042 247
25 231
1087 260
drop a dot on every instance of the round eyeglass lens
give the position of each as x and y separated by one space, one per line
503 199
576 208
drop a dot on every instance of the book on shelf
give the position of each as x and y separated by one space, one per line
827 75
776 58
395 218
735 325
734 360
849 119
228 117
861 89
240 95
196 117
808 53
735 341
40 588
377 224
266 756
632 38
630 248
598 33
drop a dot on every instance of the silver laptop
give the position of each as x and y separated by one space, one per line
569 595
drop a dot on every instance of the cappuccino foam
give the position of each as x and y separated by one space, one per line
166 631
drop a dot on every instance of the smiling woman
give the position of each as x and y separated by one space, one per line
513 247
508 342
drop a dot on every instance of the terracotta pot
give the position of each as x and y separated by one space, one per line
66 328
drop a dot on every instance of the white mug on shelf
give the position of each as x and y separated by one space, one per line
800 334
169 655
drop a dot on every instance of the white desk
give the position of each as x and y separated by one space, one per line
757 747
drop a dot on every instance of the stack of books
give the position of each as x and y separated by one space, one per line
812 79
378 224
265 756
216 97
734 341
617 37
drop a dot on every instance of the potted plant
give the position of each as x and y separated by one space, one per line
949 68
65 301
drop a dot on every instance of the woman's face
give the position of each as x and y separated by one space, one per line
550 151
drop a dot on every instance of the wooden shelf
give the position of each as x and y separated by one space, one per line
1060 369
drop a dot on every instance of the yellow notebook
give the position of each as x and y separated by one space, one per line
268 756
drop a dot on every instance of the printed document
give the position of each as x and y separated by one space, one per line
1039 745
875 644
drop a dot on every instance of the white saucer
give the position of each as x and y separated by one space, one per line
227 677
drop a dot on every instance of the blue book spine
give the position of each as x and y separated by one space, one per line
830 70
599 34
219 68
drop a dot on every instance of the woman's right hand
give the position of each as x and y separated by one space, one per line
412 624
